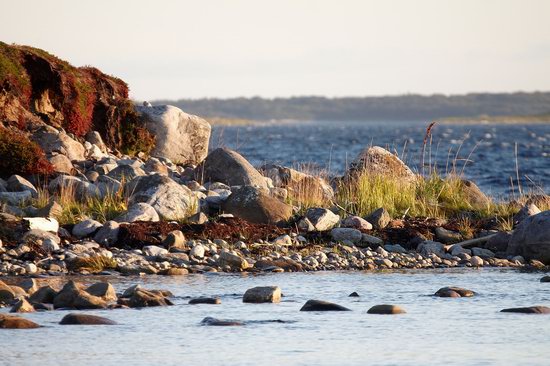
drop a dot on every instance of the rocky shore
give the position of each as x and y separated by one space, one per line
114 187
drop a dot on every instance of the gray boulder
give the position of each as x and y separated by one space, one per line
15 198
262 294
82 190
428 247
180 137
125 173
17 183
107 235
531 239
322 219
52 140
255 205
346 234
298 184
171 200
379 218
376 160
139 212
86 228
229 167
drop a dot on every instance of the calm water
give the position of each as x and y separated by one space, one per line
490 148
435 331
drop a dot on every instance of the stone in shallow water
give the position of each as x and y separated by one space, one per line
386 309
15 322
221 322
354 294
262 294
22 306
545 279
454 291
85 319
205 300
528 310
319 305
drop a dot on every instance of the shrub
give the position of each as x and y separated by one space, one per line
19 155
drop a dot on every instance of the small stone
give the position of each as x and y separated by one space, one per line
447 236
322 219
107 235
386 310
342 234
197 251
368 240
174 239
176 272
199 218
154 251
31 268
380 218
356 222
86 228
140 211
262 294
42 223
476 261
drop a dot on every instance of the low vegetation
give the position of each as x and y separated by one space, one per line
76 209
93 264
19 155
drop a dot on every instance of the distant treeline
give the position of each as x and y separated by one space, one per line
403 107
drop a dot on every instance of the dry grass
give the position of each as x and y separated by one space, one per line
93 264
76 208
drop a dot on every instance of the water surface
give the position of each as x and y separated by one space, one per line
485 153
466 331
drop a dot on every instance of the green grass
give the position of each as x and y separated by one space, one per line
75 210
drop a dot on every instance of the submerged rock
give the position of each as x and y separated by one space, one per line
221 322
15 322
528 310
319 305
454 292
205 300
85 319
386 309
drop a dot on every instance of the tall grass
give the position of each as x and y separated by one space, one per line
76 208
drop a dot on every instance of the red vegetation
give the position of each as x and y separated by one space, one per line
20 155
37 86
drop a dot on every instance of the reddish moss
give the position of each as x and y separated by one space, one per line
19 155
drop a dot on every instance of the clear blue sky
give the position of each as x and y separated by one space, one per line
181 49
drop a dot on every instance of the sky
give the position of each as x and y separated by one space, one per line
168 49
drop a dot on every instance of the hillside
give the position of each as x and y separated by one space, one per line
404 107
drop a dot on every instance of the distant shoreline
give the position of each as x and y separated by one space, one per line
543 119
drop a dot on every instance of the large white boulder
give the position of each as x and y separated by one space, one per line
180 137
